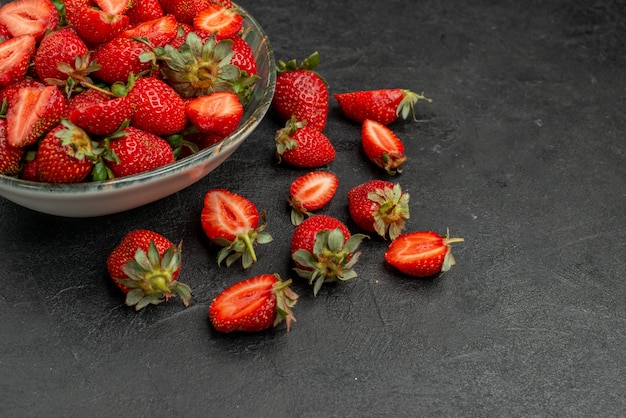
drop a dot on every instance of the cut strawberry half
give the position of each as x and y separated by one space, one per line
15 55
113 7
382 146
215 18
29 17
310 192
218 113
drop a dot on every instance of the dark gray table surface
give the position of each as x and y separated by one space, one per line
522 153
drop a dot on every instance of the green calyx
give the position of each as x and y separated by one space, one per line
390 218
77 142
284 137
449 260
150 277
285 301
406 106
242 247
333 258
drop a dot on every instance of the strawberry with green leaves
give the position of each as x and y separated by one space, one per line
120 57
422 253
158 108
233 222
243 56
145 266
15 57
217 114
301 92
254 304
311 192
29 17
57 47
323 250
379 206
300 145
382 146
383 106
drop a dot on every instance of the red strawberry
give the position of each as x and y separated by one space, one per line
379 206
146 265
30 171
32 112
301 92
158 108
220 20
233 222
421 254
114 7
15 55
4 34
98 113
310 192
65 155
60 46
217 114
143 11
243 56
138 151
324 251
185 10
93 25
119 58
382 146
157 31
253 305
299 145
383 106
10 157
29 17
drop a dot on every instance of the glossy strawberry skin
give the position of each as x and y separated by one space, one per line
15 55
139 151
158 31
93 25
10 157
303 146
185 10
118 58
382 146
60 46
158 108
383 106
143 11
243 56
97 113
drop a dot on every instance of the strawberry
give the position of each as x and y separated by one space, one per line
254 304
301 92
158 108
310 192
98 113
60 46
157 32
217 114
32 112
10 156
379 206
29 17
421 254
30 171
323 250
185 10
143 11
220 20
243 56
233 222
383 106
137 151
146 265
93 25
65 155
15 56
382 146
299 145
4 34
119 58
113 7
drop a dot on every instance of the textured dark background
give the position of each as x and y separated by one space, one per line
522 153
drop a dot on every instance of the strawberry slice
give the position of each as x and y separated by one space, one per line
254 305
29 17
218 113
15 55
223 21
233 222
421 254
382 146
157 31
310 192
113 7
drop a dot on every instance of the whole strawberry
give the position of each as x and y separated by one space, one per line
382 146
118 58
301 92
143 11
252 305
146 265
243 56
98 113
58 47
310 192
379 206
158 109
300 145
383 106
94 26
66 154
323 250
421 254
135 151
234 223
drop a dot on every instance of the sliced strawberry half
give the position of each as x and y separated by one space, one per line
310 192
15 54
223 21
157 31
29 17
218 113
113 7
382 146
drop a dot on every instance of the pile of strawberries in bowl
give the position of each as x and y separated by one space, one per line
107 105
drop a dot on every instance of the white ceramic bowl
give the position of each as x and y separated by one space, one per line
118 195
